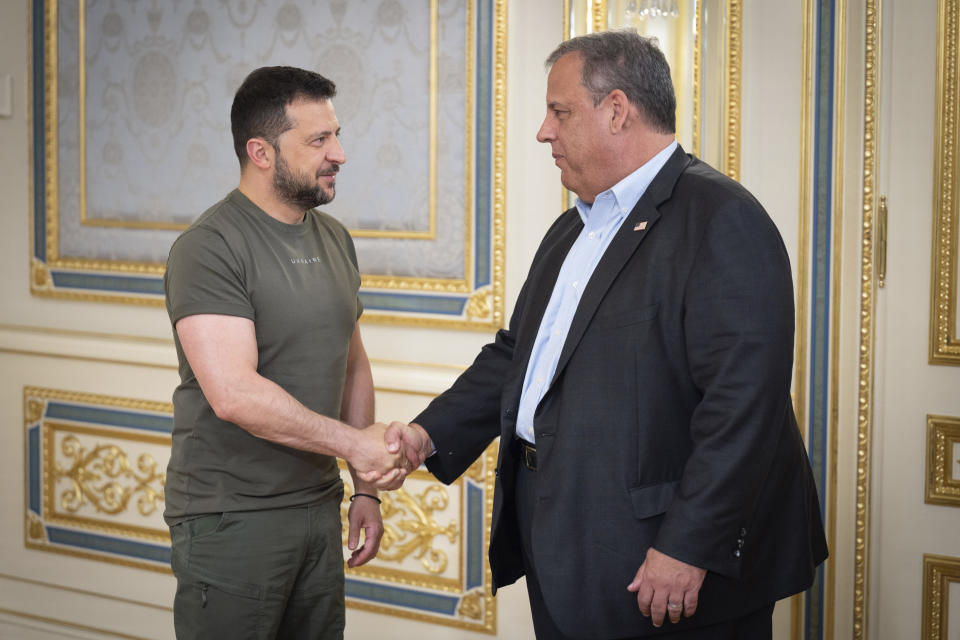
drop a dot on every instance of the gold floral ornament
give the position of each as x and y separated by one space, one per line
104 478
34 528
479 304
33 411
471 606
40 276
409 527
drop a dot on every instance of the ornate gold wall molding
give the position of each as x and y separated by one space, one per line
732 84
944 338
465 291
943 444
95 468
867 329
938 573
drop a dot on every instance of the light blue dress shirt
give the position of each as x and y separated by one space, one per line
601 221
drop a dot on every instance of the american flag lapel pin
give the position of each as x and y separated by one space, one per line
640 226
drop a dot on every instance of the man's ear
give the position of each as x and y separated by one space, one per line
260 153
619 110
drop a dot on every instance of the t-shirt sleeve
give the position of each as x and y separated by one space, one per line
204 276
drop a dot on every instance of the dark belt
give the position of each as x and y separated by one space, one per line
528 453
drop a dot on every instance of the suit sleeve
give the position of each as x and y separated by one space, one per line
738 324
464 419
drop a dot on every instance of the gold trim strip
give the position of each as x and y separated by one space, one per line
51 132
599 17
938 573
72 625
944 342
872 23
499 161
732 122
697 70
439 285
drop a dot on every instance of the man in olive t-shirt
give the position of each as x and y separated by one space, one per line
262 294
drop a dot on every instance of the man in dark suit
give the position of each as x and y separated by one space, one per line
650 464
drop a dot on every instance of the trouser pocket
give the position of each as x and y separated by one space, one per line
210 608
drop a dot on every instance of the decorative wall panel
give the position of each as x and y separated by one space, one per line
940 573
132 140
943 460
944 307
94 483
95 472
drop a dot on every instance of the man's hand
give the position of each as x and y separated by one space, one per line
665 585
411 440
373 462
364 514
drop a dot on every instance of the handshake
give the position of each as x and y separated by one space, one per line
384 455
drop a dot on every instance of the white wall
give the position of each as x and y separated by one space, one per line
125 350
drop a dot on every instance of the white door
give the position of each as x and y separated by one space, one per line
904 526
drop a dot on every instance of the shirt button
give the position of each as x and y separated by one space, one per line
539 380
576 283
591 235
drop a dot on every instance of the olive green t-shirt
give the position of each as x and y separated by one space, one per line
298 283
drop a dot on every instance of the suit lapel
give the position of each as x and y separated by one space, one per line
540 283
542 280
632 232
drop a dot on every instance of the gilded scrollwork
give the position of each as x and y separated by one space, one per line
104 477
476 470
32 411
410 528
34 528
471 606
40 278
478 307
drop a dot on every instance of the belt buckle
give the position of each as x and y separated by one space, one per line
529 455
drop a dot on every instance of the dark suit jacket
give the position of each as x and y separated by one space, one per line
668 423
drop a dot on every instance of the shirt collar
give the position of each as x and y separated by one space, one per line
628 191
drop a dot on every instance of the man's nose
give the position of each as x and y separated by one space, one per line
546 132
336 154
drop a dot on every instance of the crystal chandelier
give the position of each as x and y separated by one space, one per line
640 9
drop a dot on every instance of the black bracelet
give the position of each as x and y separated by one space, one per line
365 495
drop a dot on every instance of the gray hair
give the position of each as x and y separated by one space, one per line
623 59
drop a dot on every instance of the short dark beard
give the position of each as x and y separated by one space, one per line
298 190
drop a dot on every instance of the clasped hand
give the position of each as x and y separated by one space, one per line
385 455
